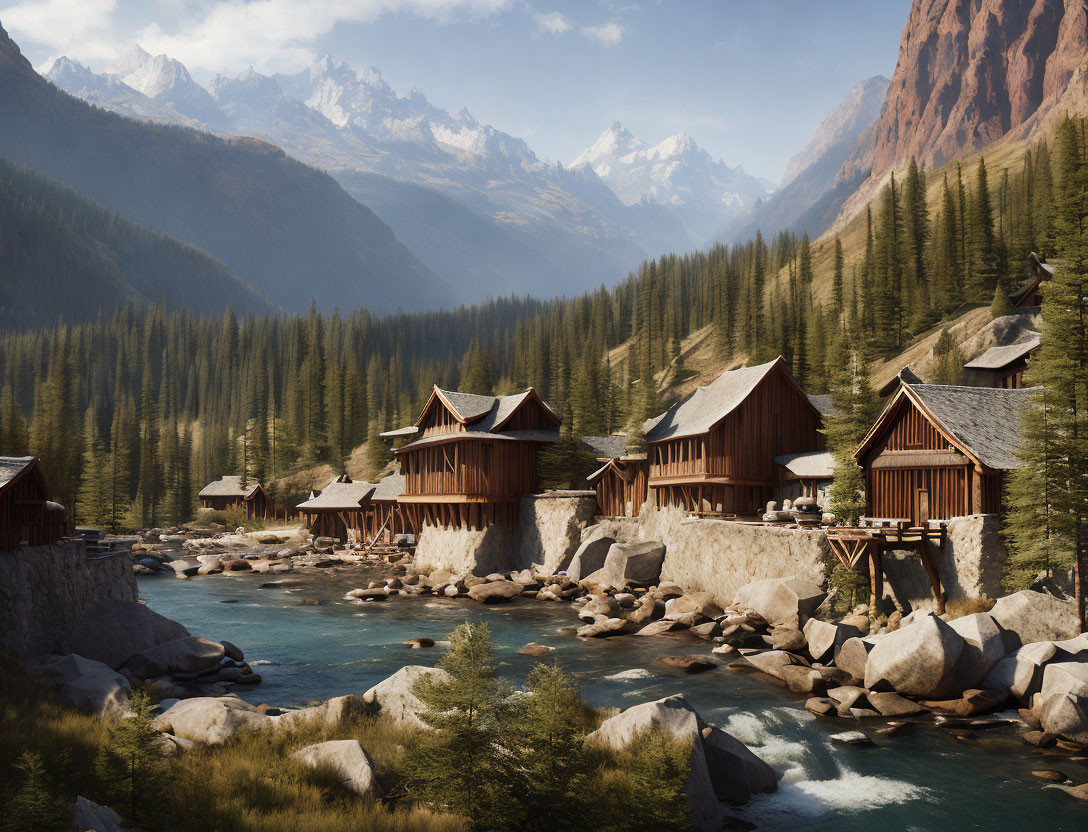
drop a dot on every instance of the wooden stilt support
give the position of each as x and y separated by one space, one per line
876 576
926 556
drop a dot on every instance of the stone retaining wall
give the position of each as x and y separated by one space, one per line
970 564
45 589
548 531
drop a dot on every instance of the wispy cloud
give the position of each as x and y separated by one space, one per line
552 22
231 34
610 34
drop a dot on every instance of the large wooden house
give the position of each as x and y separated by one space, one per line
714 452
227 492
472 458
938 452
1002 366
27 512
340 508
621 483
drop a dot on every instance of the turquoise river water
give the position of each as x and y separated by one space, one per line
928 781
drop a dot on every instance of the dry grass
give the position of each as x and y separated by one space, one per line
249 784
959 607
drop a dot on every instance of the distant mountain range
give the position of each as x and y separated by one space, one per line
282 227
703 192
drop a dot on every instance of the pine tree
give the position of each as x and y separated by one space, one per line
14 437
94 496
1048 521
950 360
836 281
1001 306
855 412
982 244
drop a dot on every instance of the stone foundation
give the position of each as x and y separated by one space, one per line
548 531
970 564
721 556
45 589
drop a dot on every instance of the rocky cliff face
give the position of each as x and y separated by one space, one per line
969 71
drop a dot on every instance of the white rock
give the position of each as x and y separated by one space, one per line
210 719
327 714
1065 677
350 762
189 655
394 698
1066 716
89 815
984 647
918 660
781 601
1036 616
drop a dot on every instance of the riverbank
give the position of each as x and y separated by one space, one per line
930 779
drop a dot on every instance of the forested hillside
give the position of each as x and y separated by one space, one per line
286 228
168 400
65 256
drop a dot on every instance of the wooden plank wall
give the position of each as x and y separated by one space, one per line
24 517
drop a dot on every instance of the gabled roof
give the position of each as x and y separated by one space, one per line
466 406
613 464
997 358
605 447
822 402
486 423
340 495
407 430
12 466
983 422
906 374
708 405
230 486
389 488
811 465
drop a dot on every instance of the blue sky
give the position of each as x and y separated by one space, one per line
748 80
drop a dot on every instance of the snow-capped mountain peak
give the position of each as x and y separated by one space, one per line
675 172
131 60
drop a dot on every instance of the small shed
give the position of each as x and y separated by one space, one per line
27 512
340 508
1030 292
621 483
941 451
386 521
227 492
1003 366
805 475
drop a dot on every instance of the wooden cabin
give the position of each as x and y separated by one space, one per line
474 457
227 492
939 451
339 509
1002 366
27 512
1030 293
621 483
385 520
805 475
714 452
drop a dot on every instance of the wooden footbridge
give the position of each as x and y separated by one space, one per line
874 536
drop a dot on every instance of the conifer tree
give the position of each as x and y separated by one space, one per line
855 412
949 369
836 281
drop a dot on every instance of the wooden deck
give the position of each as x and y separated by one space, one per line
875 536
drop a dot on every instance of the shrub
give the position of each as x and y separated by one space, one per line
851 588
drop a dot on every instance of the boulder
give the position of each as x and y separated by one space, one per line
1036 616
84 684
646 610
892 704
738 774
824 638
735 771
210 719
781 600
534 649
419 643
326 715
589 557
350 762
185 567
984 646
688 664
495 592
853 656
190 655
394 697
604 626
209 564
786 637
1065 677
90 815
852 738
1020 674
773 661
918 660
975 701
111 631
1066 716
694 603
636 563
656 628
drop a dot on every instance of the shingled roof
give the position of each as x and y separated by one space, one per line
484 417
389 488
340 495
13 466
906 374
813 465
983 421
708 405
230 486
605 447
997 358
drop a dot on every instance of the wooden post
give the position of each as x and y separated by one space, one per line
876 576
931 570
